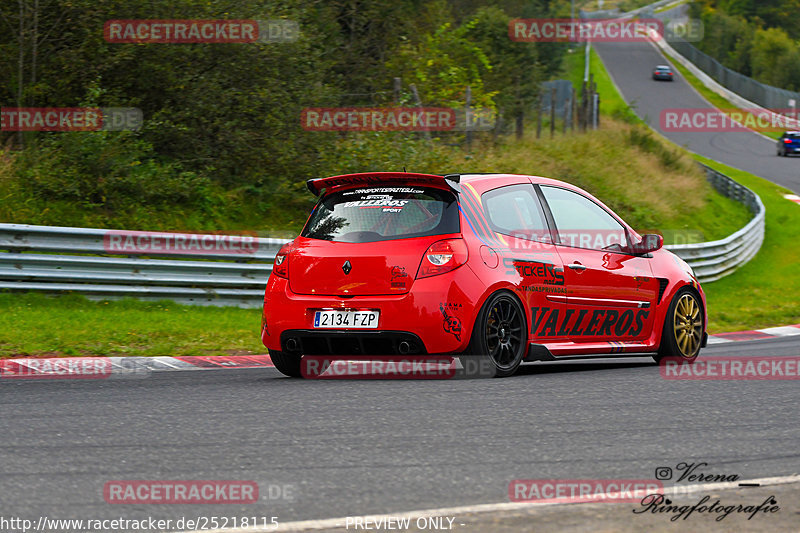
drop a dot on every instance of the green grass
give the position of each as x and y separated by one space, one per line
764 292
40 325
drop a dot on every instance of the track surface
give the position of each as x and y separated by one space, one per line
631 65
355 447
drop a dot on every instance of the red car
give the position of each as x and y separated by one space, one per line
508 267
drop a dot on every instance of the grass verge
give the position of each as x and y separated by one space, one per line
40 325
763 292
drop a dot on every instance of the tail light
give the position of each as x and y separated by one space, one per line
443 256
281 265
787 141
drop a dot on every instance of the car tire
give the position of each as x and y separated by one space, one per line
287 364
500 333
682 334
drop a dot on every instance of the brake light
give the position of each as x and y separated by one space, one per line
787 141
443 256
281 265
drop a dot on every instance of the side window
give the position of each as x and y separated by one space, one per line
514 210
582 223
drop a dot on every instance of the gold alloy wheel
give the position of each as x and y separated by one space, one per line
687 325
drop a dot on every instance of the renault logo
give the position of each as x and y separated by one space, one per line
347 267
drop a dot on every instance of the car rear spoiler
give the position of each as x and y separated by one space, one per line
316 186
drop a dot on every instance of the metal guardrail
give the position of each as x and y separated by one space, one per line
221 270
226 270
716 259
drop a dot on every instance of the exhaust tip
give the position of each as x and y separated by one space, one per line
292 345
404 347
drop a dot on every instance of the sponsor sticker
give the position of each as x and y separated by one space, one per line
547 322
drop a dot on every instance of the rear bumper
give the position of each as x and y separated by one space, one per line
340 342
435 317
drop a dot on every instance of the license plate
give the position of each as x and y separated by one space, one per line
346 319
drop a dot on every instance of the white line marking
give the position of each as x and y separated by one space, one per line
781 331
167 361
717 340
331 523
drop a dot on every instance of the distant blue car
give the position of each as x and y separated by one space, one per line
789 143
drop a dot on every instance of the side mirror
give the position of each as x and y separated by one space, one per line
649 243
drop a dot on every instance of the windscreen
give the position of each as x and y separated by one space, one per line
383 213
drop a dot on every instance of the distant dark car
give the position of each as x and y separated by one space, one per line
789 143
663 72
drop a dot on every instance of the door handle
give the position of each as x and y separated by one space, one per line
577 267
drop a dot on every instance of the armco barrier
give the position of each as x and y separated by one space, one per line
60 259
716 259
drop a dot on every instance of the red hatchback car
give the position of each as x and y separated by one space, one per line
510 268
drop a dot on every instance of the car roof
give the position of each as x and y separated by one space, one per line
663 66
488 181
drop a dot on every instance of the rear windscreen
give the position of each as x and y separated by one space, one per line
793 136
383 213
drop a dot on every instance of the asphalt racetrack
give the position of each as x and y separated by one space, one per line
358 447
631 65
